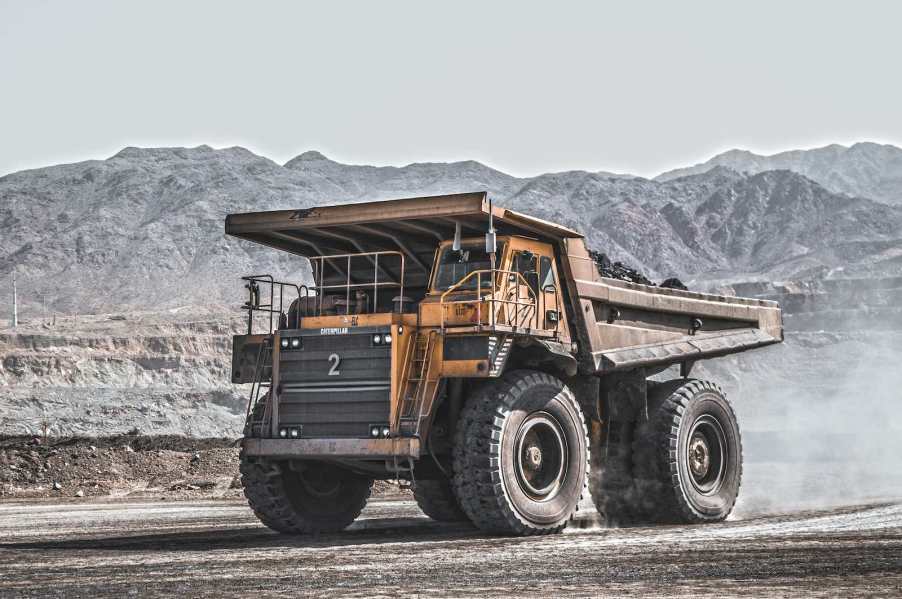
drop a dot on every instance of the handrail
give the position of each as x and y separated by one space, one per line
253 303
520 280
277 303
318 276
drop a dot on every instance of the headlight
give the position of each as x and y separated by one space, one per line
385 431
386 338
374 431
283 432
284 342
294 432
377 339
295 342
400 330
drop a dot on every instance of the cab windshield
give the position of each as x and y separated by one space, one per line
453 265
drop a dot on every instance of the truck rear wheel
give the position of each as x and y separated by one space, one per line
436 499
520 455
611 479
687 456
313 498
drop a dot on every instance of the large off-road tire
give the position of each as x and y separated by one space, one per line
611 481
521 455
436 499
313 498
687 456
612 476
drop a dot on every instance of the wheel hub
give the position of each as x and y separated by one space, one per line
699 456
706 454
319 482
541 456
532 457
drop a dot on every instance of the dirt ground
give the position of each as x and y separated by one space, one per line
161 516
217 548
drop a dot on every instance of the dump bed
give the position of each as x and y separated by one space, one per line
624 325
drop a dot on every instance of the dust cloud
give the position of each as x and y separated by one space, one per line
821 417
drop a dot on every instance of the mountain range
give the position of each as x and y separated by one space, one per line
864 169
144 228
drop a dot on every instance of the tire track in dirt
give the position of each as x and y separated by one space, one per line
217 548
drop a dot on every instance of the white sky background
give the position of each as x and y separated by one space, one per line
635 87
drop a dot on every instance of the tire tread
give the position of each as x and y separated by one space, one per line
655 458
477 477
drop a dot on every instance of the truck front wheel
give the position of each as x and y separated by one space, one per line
521 455
310 498
687 456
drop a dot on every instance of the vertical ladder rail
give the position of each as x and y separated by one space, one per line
258 383
417 386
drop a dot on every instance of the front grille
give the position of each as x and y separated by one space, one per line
336 386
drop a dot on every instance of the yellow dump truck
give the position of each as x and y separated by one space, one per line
478 355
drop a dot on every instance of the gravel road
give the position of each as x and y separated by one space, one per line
217 548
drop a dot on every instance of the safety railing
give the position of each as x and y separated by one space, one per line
337 261
507 305
275 309
320 298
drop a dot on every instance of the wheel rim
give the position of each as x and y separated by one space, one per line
319 482
541 458
706 454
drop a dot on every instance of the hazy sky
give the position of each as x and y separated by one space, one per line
635 87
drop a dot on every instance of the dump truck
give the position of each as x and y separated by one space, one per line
478 356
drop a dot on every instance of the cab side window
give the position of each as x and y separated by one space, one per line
525 264
546 274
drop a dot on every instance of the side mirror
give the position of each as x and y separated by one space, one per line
490 242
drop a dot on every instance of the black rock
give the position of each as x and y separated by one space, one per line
617 270
673 283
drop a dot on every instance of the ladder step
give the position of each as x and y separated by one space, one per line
417 385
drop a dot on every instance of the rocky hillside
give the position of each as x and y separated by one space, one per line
864 170
143 229
166 372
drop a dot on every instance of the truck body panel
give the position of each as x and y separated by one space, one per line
628 324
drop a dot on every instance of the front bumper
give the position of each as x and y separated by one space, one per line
405 447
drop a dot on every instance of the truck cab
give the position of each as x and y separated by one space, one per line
524 288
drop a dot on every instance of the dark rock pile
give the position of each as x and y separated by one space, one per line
622 272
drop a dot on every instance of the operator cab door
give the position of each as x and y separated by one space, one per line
524 290
537 269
